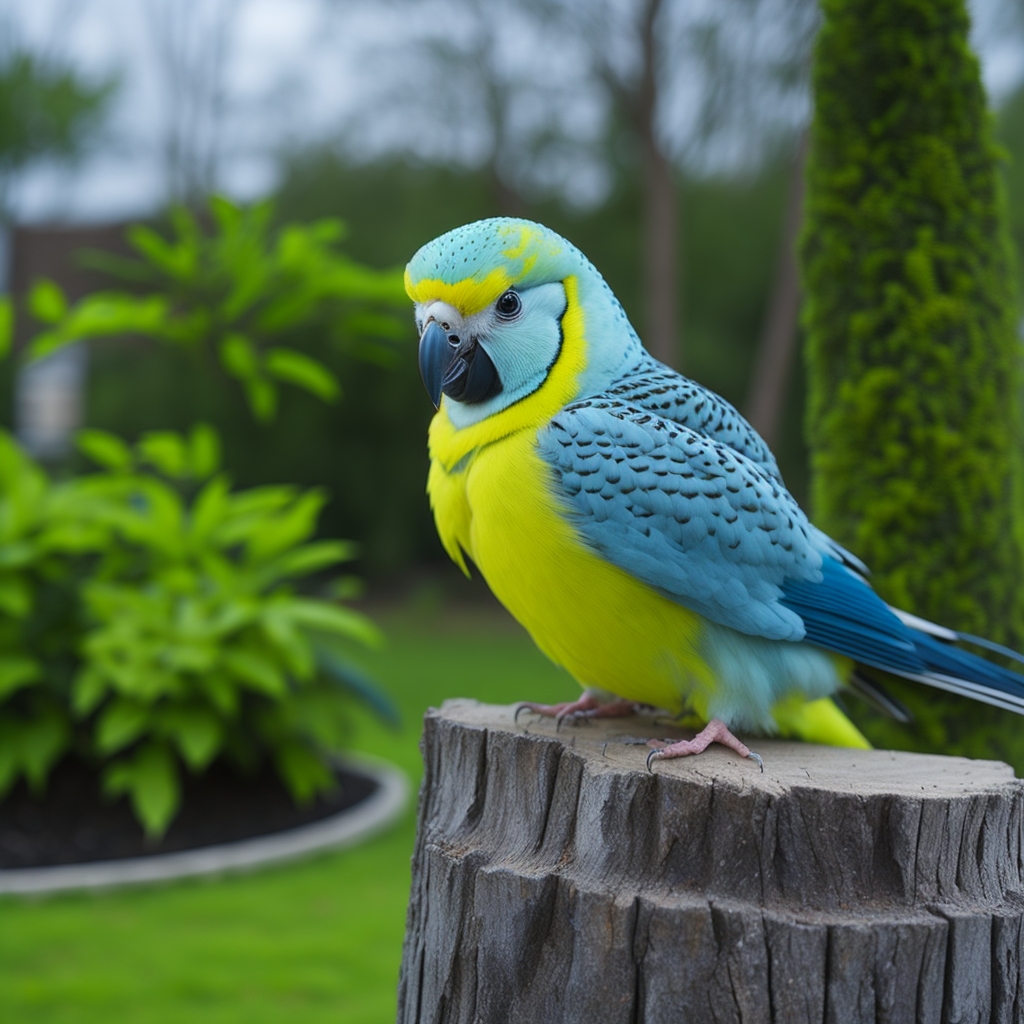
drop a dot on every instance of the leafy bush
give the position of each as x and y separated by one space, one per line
242 292
150 617
153 632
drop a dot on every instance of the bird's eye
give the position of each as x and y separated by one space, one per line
509 305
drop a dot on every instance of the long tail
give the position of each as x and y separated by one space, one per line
950 667
847 616
842 613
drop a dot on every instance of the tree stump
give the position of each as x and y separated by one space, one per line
556 879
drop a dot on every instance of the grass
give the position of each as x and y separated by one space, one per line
316 941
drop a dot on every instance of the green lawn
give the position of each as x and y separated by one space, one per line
317 941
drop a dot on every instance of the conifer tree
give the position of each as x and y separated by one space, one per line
912 347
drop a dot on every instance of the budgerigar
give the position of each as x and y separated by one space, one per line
632 520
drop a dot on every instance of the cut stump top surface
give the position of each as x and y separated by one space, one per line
611 744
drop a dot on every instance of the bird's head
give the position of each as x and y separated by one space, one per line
507 309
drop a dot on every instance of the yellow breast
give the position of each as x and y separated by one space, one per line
605 627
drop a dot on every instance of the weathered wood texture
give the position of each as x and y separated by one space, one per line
556 880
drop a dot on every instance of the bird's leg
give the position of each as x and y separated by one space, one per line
588 706
716 731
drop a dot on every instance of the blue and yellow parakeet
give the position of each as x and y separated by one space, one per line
632 520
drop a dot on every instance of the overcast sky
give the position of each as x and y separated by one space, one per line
293 71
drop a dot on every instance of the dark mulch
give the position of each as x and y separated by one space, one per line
72 823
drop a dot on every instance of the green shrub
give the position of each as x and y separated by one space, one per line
149 621
912 350
240 294
150 616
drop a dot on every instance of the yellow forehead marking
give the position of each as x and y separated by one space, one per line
473 294
468 296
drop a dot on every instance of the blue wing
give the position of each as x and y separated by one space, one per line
658 389
691 517
668 395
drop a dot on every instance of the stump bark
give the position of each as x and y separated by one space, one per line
556 879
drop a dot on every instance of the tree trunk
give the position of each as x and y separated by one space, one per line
774 362
660 208
555 879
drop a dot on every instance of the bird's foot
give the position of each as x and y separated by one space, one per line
585 708
716 731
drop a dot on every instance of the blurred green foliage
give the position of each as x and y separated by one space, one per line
239 290
913 350
151 617
1010 133
150 622
730 232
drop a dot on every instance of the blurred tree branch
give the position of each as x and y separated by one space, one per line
192 48
773 362
574 97
451 88
629 53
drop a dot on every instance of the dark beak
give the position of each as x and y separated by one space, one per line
458 368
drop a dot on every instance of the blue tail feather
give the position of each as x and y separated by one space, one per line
953 662
991 645
843 614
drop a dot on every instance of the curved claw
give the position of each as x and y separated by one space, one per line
758 760
575 717
654 755
519 710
